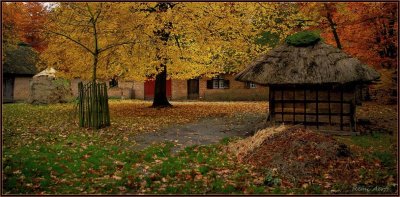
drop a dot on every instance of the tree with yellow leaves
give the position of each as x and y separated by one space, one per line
179 40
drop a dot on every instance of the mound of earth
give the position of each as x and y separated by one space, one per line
300 157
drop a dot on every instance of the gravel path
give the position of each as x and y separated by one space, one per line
204 131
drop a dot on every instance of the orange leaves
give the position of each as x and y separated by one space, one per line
24 21
375 40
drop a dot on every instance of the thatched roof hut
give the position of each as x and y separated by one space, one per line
19 60
18 68
313 84
316 64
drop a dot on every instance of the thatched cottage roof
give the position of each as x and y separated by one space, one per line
20 60
316 64
50 72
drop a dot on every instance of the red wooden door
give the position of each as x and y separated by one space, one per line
149 89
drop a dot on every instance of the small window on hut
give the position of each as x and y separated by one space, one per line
217 83
113 83
250 85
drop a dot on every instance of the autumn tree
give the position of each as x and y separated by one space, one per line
364 29
11 14
32 23
23 22
83 37
164 40
83 34
203 39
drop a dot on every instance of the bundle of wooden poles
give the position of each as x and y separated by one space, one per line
93 105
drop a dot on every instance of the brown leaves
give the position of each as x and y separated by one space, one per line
309 158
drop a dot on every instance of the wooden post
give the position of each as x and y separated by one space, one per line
305 107
269 104
95 109
93 105
329 106
108 123
88 112
99 104
80 99
294 105
282 104
353 112
341 107
272 104
316 106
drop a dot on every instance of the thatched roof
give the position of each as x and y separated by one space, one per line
49 72
317 64
19 60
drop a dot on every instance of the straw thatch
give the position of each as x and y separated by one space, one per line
317 64
242 148
19 60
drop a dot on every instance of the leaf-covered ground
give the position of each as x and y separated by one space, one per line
45 152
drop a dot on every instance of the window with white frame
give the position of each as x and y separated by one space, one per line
250 85
218 83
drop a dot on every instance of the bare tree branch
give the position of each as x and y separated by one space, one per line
73 40
116 45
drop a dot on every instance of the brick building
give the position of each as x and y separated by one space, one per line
220 88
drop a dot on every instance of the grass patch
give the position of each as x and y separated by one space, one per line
45 152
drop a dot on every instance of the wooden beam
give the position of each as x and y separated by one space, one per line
353 112
313 123
313 101
282 103
272 103
341 107
329 105
305 107
294 105
314 113
316 106
269 104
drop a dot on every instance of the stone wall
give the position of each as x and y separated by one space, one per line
22 88
237 91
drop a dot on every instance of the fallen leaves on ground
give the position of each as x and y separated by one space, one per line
303 158
45 152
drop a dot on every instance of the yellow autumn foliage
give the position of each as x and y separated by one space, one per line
205 38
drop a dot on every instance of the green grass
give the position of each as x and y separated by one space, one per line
376 146
381 150
44 152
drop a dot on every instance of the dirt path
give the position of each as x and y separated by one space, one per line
205 131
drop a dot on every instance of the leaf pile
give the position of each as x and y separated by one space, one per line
303 158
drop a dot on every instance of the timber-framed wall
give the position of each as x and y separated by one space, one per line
325 107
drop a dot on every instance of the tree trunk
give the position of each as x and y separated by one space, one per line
95 60
160 86
332 24
95 95
160 90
